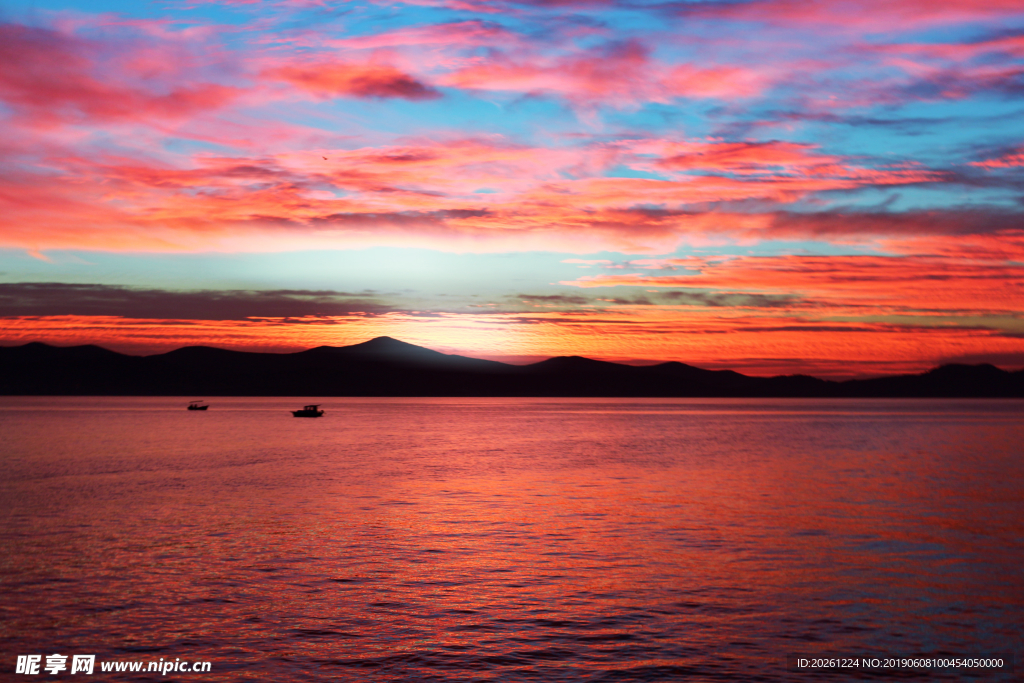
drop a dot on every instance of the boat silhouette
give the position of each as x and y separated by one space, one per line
308 411
197 405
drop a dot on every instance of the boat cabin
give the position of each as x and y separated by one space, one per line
312 410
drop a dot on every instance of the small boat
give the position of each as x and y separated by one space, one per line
308 411
197 405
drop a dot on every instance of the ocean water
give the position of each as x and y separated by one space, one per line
510 539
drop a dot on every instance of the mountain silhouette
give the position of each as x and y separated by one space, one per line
389 367
400 353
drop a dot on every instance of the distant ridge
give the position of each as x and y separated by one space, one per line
389 367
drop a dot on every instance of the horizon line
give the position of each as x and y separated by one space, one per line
417 346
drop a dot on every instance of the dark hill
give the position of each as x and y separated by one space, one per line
386 350
389 367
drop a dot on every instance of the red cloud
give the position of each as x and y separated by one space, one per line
334 79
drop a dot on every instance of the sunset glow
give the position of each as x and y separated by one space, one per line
771 186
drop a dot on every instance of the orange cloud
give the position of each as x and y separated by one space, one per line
775 344
744 158
339 79
867 285
993 248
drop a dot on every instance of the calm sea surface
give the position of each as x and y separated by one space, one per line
509 539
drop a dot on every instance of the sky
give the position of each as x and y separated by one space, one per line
771 186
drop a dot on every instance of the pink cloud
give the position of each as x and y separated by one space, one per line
457 34
719 82
619 75
872 15
1012 46
48 77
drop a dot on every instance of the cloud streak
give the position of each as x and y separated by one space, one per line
49 77
339 79
48 299
886 285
